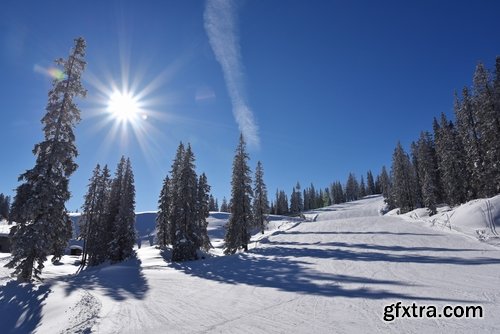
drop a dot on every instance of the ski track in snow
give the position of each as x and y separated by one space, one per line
332 275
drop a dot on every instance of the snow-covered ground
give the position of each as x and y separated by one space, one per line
332 275
478 219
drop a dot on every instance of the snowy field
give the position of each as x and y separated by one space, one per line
332 275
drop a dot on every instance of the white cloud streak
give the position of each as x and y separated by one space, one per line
220 20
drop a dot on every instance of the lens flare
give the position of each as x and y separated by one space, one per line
51 72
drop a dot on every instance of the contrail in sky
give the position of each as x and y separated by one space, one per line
221 26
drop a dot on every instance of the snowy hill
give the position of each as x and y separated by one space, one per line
478 219
336 274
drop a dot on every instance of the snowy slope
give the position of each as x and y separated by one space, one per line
478 219
332 275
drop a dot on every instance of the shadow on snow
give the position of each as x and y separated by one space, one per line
393 248
119 281
271 269
21 306
366 256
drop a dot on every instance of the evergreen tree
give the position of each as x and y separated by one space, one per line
187 236
469 134
163 224
370 184
385 188
93 219
494 156
89 212
45 226
4 206
362 188
295 200
260 203
352 188
224 207
122 244
488 126
378 187
307 205
237 233
311 200
211 203
429 193
216 205
337 193
327 200
202 212
451 162
404 182
281 203
427 171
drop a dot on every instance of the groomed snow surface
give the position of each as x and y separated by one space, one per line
332 275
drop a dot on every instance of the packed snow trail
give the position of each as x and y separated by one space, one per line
332 275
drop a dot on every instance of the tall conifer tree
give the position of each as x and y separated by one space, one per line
44 227
260 203
237 233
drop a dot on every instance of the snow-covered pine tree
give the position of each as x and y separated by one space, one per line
260 202
429 193
312 197
211 203
163 216
122 245
496 122
44 227
337 193
362 187
224 207
386 188
427 171
327 198
237 232
89 215
4 206
451 161
469 134
294 201
307 205
352 188
99 239
175 180
93 219
488 125
378 188
404 183
202 212
216 205
113 206
370 183
418 177
281 203
187 235
495 155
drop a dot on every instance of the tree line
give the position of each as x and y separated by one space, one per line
311 198
460 160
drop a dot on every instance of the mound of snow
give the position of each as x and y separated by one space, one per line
479 219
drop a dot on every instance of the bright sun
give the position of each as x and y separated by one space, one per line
123 106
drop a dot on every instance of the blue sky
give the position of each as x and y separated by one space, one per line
329 87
